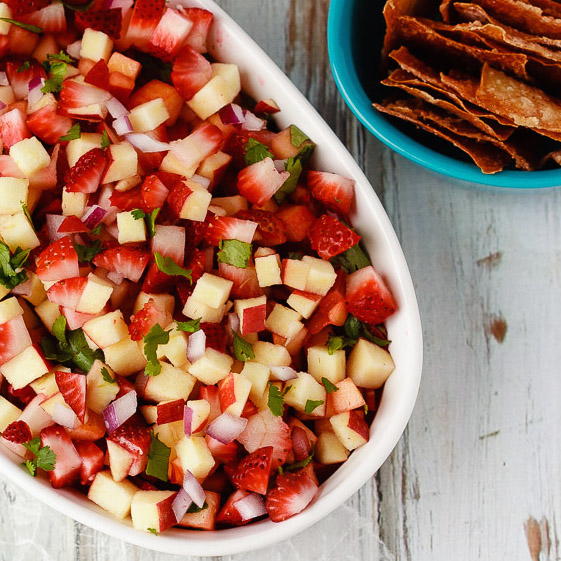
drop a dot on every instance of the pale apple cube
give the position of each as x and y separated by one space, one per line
37 293
76 148
8 413
10 309
303 389
130 228
46 384
164 302
284 321
24 368
212 290
7 95
271 354
258 375
128 183
329 450
30 156
194 455
73 204
321 364
125 357
112 496
106 330
124 162
201 413
231 205
5 12
13 193
170 433
16 231
125 65
194 309
268 270
305 303
48 312
5 291
95 295
295 273
56 402
241 389
100 393
148 116
95 45
322 275
170 384
196 205
212 367
172 164
369 366
151 509
175 350
347 431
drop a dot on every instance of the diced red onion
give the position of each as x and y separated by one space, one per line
181 504
194 489
280 165
146 143
233 321
122 125
116 108
23 289
188 420
252 122
53 224
226 428
64 416
251 506
283 373
35 93
115 277
204 181
232 114
34 83
74 49
93 216
122 409
196 345
4 79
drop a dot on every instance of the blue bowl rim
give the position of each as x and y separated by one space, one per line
341 58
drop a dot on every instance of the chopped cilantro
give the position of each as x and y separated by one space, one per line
25 211
275 401
24 66
26 26
311 405
367 334
153 531
156 336
97 230
297 137
168 266
298 465
73 133
43 457
243 350
329 386
354 329
294 166
158 459
352 260
57 74
189 326
335 343
10 266
255 151
105 142
234 252
59 329
138 214
87 252
194 508
107 377
61 56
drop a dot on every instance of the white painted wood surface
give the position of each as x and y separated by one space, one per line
476 476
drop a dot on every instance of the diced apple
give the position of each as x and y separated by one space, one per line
196 203
13 192
234 391
303 389
10 309
232 205
204 519
345 398
201 414
125 65
322 364
252 313
48 312
54 403
212 290
95 45
295 273
114 497
73 204
268 270
284 321
175 350
304 303
106 330
37 294
194 455
100 393
125 357
212 367
5 12
30 156
152 510
16 231
7 95
128 183
46 385
258 375
172 383
76 148
270 354
124 162
148 116
170 433
351 428
24 368
194 309
369 366
35 416
130 228
120 461
8 413
164 302
95 295
321 276
329 449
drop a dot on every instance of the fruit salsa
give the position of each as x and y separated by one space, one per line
190 331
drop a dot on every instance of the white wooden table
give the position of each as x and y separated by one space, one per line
476 475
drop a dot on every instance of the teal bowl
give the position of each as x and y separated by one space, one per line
355 30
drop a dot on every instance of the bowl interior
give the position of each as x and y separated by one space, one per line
355 33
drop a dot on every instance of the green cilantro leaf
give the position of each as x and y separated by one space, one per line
189 326
243 350
156 336
153 531
25 211
366 408
87 252
335 343
380 341
275 401
24 66
73 133
352 327
151 222
168 266
27 26
107 377
255 151
352 260
299 465
83 356
234 252
158 459
311 405
105 142
97 230
138 214
294 166
10 266
194 508
59 329
61 56
297 137
30 466
43 457
57 74
329 386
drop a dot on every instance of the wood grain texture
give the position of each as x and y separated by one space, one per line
475 476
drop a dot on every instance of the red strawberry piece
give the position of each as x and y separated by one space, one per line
153 192
13 127
157 282
170 34
19 78
51 19
334 191
85 175
73 389
129 262
145 319
236 144
98 75
151 161
72 225
58 261
67 292
229 513
68 462
92 458
190 72
298 220
14 338
108 21
145 17
134 436
120 86
265 429
177 197
126 200
268 106
260 181
253 471
75 320
24 395
48 125
197 264
93 429
368 297
20 7
293 492
270 230
216 336
229 228
75 94
332 309
246 284
249 409
202 20
17 432
330 237
125 386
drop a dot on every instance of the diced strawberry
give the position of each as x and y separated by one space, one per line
157 89
268 106
20 7
249 409
153 192
108 21
246 283
85 176
50 19
170 34
334 191
120 86
134 436
216 336
48 125
229 228
151 161
75 94
156 282
92 458
332 309
265 429
260 181
25 394
330 237
126 200
146 318
73 388
17 432
190 72
21 42
47 178
298 220
229 513
236 144
75 319
92 429
202 20
13 127
98 75
253 471
177 197
197 265
145 17
204 141
129 262
293 492
72 225
68 462
368 297
270 230
58 261
67 292
14 338
19 77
